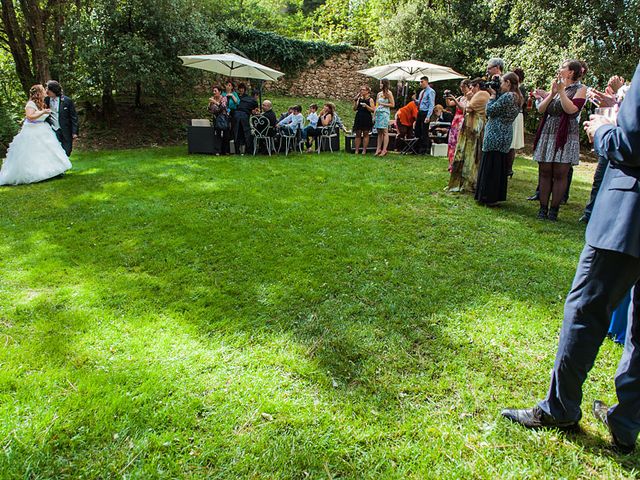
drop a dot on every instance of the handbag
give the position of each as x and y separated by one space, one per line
222 122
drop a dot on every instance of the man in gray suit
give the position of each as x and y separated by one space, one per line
609 267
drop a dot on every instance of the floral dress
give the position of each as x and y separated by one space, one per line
383 112
454 131
558 139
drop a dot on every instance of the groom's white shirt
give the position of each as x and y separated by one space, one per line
54 104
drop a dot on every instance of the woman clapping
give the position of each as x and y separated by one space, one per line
557 143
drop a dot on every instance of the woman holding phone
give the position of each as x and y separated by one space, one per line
456 124
364 106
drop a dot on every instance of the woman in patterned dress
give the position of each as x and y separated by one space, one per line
557 144
501 112
468 152
383 111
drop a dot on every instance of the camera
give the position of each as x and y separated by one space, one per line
493 83
447 93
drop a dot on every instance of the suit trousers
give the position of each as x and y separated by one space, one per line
597 180
602 279
422 134
66 142
242 131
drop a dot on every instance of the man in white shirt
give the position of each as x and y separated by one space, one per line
63 118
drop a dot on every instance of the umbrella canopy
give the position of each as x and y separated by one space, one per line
412 70
231 65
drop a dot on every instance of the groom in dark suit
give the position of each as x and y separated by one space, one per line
63 118
609 267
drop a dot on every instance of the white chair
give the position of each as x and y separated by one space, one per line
292 140
327 133
261 131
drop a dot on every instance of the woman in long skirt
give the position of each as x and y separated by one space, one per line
501 112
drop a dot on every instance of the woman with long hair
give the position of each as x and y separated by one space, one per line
501 112
456 124
325 118
35 154
364 106
385 103
557 143
517 143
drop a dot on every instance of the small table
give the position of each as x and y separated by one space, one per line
349 142
202 140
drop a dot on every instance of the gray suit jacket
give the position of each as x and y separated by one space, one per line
615 221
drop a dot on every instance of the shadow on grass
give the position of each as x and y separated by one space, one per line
372 274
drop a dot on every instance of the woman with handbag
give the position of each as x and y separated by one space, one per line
218 110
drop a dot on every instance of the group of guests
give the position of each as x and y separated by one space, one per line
488 129
232 107
484 133
293 123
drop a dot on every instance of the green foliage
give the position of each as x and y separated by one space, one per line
356 22
605 34
170 316
285 17
456 34
124 42
291 55
12 100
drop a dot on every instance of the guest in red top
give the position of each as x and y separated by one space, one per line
406 118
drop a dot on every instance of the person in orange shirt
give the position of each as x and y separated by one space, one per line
405 120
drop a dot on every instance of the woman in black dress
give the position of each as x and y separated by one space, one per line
364 106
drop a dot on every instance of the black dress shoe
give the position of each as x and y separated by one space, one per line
534 197
600 411
535 418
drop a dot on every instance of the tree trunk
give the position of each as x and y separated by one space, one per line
138 94
35 21
108 103
17 45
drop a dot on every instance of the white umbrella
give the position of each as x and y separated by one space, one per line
412 70
231 65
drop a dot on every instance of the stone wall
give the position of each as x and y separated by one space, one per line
335 78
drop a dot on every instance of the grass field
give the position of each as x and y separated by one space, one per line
315 316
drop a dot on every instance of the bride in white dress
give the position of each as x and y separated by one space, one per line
35 154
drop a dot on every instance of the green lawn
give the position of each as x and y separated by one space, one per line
174 316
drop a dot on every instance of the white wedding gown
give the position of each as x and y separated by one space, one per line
34 154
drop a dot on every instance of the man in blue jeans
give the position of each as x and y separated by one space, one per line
608 268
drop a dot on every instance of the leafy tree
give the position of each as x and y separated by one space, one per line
457 34
355 21
131 45
29 31
606 34
11 100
